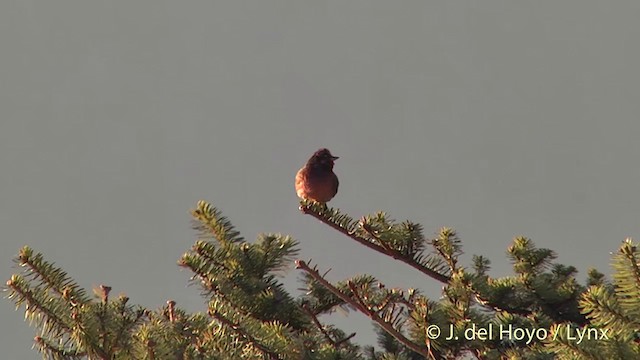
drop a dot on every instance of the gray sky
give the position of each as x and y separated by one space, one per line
496 118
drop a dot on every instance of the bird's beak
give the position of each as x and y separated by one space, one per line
335 157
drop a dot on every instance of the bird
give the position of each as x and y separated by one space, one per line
316 180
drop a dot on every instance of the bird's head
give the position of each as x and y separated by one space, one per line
322 158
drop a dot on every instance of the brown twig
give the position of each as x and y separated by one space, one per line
315 320
340 342
172 310
103 291
151 349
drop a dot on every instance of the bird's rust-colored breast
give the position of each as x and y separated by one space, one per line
320 188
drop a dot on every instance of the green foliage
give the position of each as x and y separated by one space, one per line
613 310
250 315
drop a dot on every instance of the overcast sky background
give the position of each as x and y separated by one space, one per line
496 118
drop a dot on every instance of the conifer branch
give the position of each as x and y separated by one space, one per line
550 309
360 305
46 314
320 213
238 330
103 292
627 278
210 222
502 307
310 209
53 278
448 246
58 352
604 307
127 322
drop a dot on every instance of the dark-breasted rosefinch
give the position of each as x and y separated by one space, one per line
316 180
